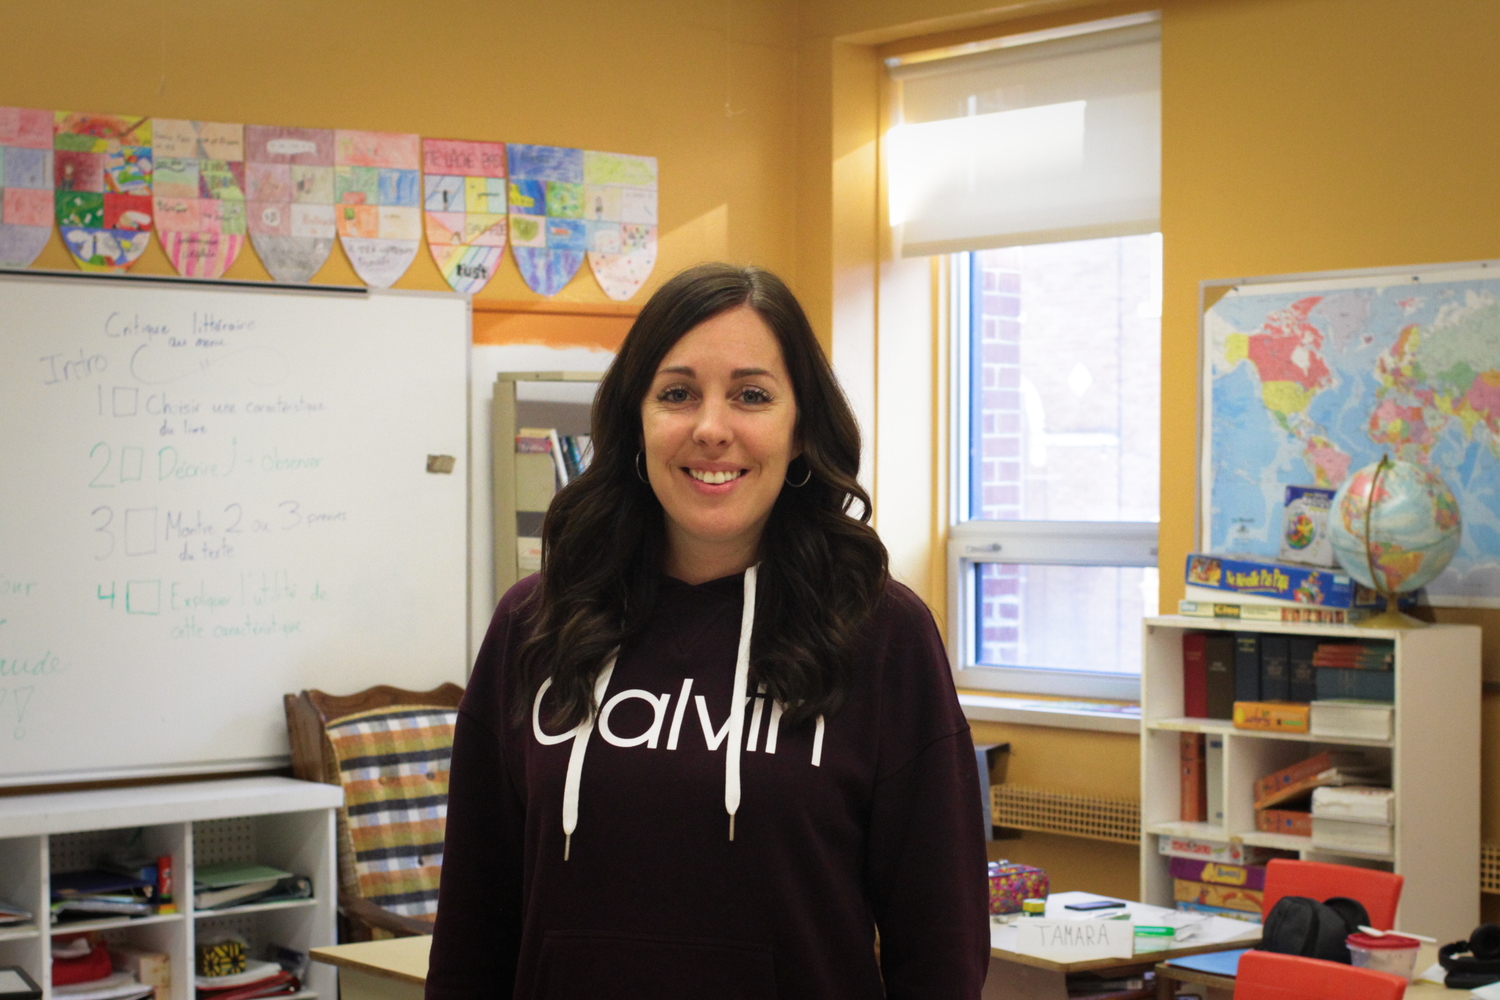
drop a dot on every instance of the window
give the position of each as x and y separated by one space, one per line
1035 160
1053 558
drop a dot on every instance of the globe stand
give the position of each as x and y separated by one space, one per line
1391 617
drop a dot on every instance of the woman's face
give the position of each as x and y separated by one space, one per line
717 428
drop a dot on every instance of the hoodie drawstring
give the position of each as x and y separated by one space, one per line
581 736
738 699
738 696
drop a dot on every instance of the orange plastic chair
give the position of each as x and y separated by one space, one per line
1265 975
1379 891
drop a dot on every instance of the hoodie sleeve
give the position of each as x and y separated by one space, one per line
476 941
925 873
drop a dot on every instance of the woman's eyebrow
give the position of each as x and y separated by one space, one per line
738 373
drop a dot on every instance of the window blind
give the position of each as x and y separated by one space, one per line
1033 141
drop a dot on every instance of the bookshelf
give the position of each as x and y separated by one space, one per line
524 484
278 821
1433 758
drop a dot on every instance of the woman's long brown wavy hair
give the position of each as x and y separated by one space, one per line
822 567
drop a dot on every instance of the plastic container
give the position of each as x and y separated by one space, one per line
1388 953
1034 907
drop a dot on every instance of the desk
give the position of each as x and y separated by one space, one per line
1167 978
1014 976
379 970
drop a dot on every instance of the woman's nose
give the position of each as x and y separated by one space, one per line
712 428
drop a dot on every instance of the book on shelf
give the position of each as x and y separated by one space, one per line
1230 897
1304 526
1213 771
1194 798
1353 682
234 882
1219 671
10 914
1195 675
1289 821
98 881
1270 580
544 441
1374 655
1297 614
100 905
1230 851
1275 669
1330 767
1345 717
1271 716
1302 677
1344 835
1219 911
1242 876
1247 666
1355 804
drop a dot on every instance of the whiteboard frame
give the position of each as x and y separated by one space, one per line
248 765
1416 274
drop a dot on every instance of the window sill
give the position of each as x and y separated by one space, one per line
979 707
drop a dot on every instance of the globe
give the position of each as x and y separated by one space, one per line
1413 531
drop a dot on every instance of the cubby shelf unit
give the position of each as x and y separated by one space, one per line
277 821
1433 758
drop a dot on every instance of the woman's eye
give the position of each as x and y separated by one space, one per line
673 394
753 395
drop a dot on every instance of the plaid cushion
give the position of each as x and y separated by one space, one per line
393 766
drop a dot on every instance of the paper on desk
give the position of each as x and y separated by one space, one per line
1194 929
1490 992
1435 974
1076 940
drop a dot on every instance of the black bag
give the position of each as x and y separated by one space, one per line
1298 925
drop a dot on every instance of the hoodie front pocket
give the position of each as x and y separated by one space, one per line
591 965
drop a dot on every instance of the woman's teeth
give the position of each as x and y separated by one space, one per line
715 478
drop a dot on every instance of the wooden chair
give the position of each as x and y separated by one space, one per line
1379 891
389 750
1265 975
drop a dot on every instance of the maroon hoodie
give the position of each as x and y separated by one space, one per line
866 820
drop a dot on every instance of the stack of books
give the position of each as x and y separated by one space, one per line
1354 819
1282 798
1272 682
260 979
11 914
1225 890
239 883
571 453
98 892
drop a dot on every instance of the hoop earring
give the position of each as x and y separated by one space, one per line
638 473
805 479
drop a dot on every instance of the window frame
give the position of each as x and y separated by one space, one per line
973 542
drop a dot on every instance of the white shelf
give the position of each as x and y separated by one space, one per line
277 821
1223 727
231 911
1304 845
1284 628
1194 831
1433 756
111 923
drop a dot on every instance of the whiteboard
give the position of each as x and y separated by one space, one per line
214 495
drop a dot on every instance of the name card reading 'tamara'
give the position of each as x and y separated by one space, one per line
1076 940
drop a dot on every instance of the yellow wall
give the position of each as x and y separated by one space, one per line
706 88
1298 135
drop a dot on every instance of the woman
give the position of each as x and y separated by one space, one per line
615 830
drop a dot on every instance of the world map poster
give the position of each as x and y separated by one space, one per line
1307 381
